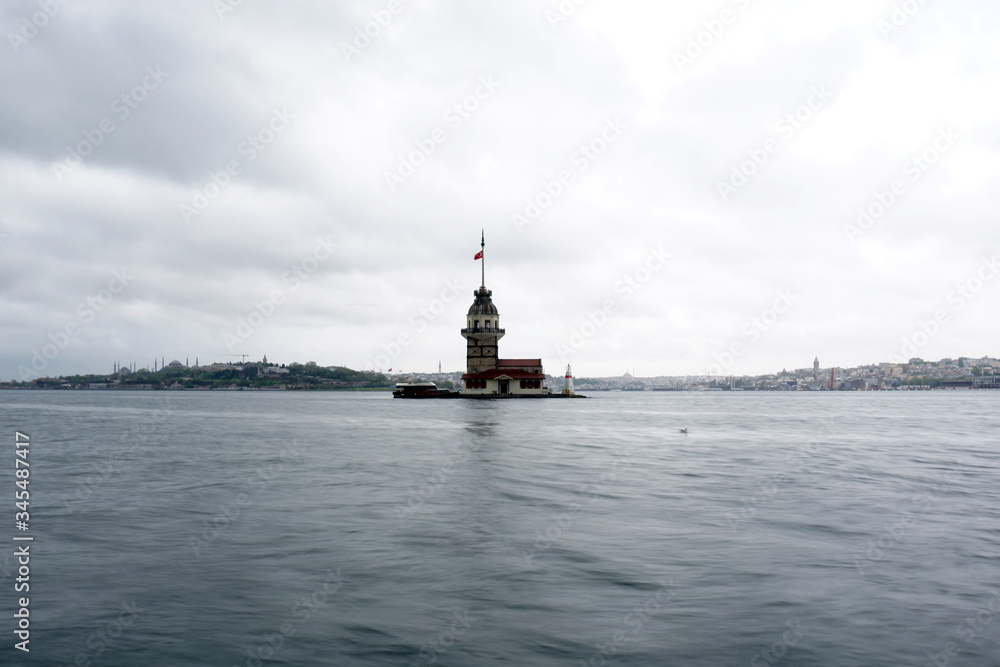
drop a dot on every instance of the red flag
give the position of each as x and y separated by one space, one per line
479 255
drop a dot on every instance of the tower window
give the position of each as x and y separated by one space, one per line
487 324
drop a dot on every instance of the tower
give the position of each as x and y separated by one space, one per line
482 333
816 368
486 374
568 382
482 325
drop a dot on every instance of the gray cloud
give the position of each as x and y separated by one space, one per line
351 120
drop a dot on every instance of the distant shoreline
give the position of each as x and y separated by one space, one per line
595 391
198 389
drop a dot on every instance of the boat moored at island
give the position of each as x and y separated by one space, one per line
422 390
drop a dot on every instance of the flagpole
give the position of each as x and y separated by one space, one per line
483 246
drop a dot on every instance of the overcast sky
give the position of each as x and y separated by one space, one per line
660 183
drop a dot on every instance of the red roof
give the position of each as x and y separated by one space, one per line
518 363
494 373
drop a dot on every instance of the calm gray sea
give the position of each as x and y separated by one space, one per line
267 528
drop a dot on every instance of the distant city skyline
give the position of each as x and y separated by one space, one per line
959 362
663 188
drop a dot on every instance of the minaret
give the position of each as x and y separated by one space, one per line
816 368
482 330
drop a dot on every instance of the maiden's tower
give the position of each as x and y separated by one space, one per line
486 373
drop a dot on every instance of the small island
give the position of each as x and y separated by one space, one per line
488 376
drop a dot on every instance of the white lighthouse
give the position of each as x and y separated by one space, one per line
568 382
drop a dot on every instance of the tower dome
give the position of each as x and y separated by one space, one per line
483 304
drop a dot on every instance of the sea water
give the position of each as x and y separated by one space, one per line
294 528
